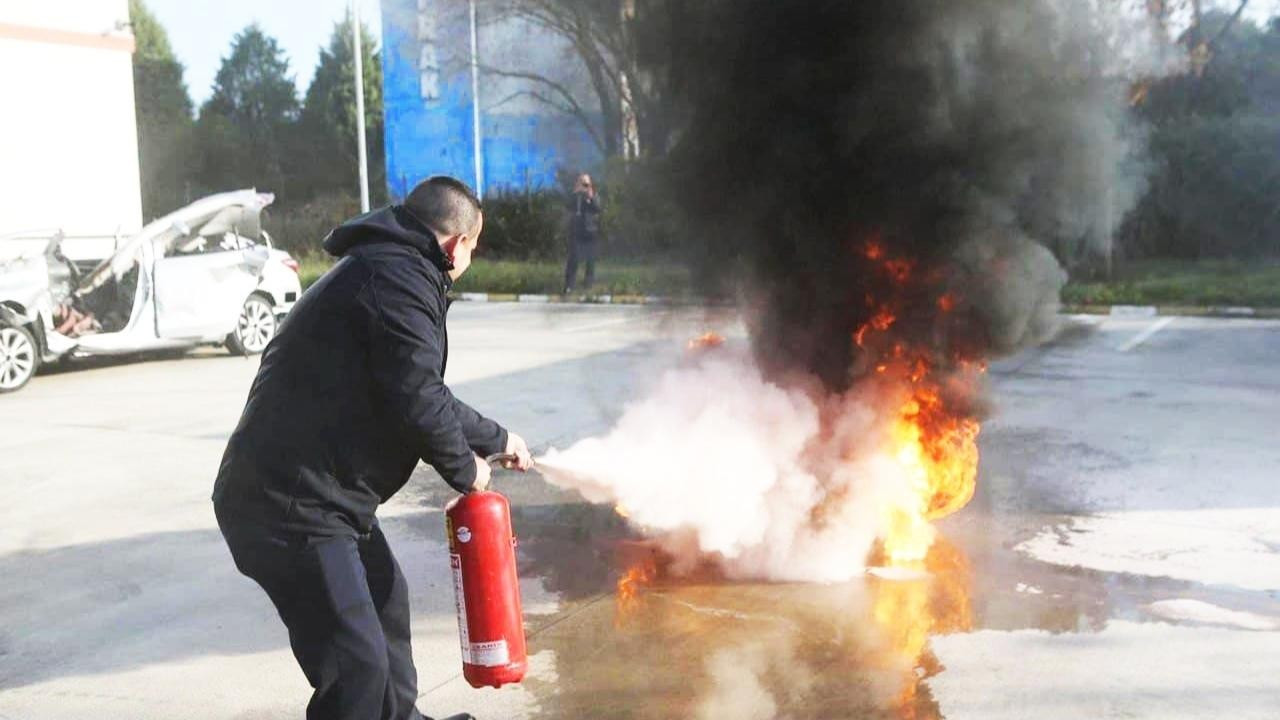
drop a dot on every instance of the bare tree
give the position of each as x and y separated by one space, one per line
603 35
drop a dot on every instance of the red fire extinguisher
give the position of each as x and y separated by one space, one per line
486 589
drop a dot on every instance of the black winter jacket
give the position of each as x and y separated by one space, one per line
351 393
584 218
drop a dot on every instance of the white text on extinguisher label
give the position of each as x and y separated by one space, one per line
490 654
460 603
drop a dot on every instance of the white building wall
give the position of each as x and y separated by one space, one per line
68 131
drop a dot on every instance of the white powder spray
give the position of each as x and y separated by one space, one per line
719 463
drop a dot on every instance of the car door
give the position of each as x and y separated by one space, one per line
199 290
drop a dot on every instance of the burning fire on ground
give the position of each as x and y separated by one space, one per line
632 583
778 480
929 433
933 437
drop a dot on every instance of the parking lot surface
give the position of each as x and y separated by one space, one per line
1121 559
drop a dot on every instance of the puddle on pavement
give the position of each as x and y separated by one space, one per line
632 642
728 651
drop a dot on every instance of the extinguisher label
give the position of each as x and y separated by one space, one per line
460 604
490 654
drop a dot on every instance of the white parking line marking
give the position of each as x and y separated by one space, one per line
598 325
1146 334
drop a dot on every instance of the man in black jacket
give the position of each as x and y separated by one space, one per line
349 396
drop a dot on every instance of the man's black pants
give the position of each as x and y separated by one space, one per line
346 605
584 250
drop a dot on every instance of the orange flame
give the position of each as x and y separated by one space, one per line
705 341
899 270
881 321
935 445
938 453
630 585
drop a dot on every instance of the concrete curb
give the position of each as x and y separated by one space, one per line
1168 310
535 299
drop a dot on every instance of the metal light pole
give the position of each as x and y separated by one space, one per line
361 151
475 101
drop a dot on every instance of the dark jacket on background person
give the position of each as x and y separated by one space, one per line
584 218
584 227
350 394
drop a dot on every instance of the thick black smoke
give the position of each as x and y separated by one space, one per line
975 138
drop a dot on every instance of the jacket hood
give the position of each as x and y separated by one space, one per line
389 224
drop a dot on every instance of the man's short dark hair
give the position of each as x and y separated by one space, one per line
444 204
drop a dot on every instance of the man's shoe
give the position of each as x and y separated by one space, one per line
460 716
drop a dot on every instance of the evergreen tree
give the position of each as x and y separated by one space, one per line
328 124
246 127
163 110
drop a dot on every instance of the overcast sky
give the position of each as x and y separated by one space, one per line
201 32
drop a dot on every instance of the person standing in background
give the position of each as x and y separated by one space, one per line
584 229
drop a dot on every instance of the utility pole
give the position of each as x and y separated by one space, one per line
475 101
362 153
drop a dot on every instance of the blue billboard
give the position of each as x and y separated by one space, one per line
428 102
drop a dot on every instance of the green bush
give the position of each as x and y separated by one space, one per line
301 229
1213 195
524 225
1214 152
641 218
640 222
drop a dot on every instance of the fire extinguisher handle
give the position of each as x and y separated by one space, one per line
497 459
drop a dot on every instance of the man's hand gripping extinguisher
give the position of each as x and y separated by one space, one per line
482 554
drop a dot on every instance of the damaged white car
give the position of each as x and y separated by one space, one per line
203 275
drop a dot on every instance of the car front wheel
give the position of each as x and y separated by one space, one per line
255 327
18 358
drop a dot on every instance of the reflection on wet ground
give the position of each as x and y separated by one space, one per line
633 642
637 643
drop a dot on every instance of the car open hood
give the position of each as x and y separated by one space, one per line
239 211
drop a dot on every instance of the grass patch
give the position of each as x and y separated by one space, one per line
311 267
1155 282
545 277
1190 283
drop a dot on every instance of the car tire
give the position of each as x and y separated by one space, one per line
19 357
255 327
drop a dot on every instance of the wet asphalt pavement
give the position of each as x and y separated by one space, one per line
1121 558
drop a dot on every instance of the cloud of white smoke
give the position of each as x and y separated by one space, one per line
719 463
